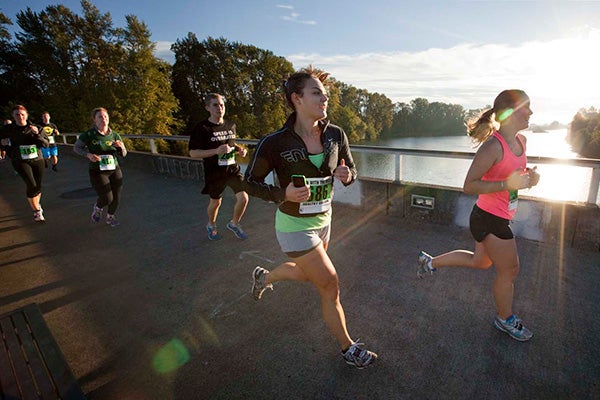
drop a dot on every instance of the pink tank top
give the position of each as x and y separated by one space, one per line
503 204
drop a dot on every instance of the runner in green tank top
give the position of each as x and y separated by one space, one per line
314 152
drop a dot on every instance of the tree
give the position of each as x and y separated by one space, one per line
249 78
70 64
584 133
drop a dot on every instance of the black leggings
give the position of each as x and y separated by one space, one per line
107 185
32 173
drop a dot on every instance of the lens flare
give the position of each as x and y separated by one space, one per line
171 356
505 114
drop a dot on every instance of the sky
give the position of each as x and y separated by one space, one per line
453 51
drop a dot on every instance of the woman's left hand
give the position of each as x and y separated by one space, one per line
534 176
342 172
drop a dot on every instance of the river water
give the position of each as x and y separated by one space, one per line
557 182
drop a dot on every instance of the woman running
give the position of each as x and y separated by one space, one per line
306 154
496 174
23 141
101 146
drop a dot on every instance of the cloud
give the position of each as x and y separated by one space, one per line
163 50
293 16
558 75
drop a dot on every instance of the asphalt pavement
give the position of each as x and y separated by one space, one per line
152 309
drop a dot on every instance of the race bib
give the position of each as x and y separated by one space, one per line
51 140
227 159
107 162
28 152
513 199
321 193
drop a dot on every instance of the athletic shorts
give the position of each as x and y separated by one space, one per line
215 187
296 244
482 223
49 151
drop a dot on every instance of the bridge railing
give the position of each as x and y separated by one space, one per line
394 170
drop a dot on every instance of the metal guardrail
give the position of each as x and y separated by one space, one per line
399 153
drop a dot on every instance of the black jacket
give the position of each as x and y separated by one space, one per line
22 135
284 152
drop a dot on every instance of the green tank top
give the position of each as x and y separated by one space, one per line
289 223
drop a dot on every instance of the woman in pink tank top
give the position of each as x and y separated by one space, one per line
497 173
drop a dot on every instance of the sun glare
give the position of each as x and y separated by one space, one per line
564 74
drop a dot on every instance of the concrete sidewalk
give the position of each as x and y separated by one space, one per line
153 310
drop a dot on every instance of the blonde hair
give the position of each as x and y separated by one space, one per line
482 127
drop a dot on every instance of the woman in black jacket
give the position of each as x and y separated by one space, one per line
307 153
23 141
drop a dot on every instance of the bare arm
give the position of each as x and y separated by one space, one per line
200 153
488 154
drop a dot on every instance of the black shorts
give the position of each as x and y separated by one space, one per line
215 187
482 223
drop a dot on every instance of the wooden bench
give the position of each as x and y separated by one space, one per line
31 363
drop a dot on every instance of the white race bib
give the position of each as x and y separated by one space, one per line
28 152
321 193
513 199
51 140
227 159
107 162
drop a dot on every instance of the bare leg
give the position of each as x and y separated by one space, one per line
241 202
34 202
317 268
506 263
213 211
464 258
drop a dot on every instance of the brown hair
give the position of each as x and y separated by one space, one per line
19 108
212 96
97 110
482 127
295 83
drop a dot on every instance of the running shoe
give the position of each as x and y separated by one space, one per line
38 216
359 357
112 221
237 229
514 327
424 265
212 232
54 168
258 282
96 214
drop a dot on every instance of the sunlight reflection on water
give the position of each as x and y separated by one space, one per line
557 182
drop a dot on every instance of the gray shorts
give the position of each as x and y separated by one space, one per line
296 244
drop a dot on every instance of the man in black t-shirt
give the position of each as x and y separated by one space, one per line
213 140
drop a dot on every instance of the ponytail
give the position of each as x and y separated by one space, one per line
482 127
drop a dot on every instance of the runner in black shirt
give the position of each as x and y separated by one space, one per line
213 140
23 141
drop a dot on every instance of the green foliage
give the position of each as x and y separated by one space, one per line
249 78
422 118
584 133
69 64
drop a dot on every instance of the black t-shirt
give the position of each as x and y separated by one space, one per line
51 131
207 136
